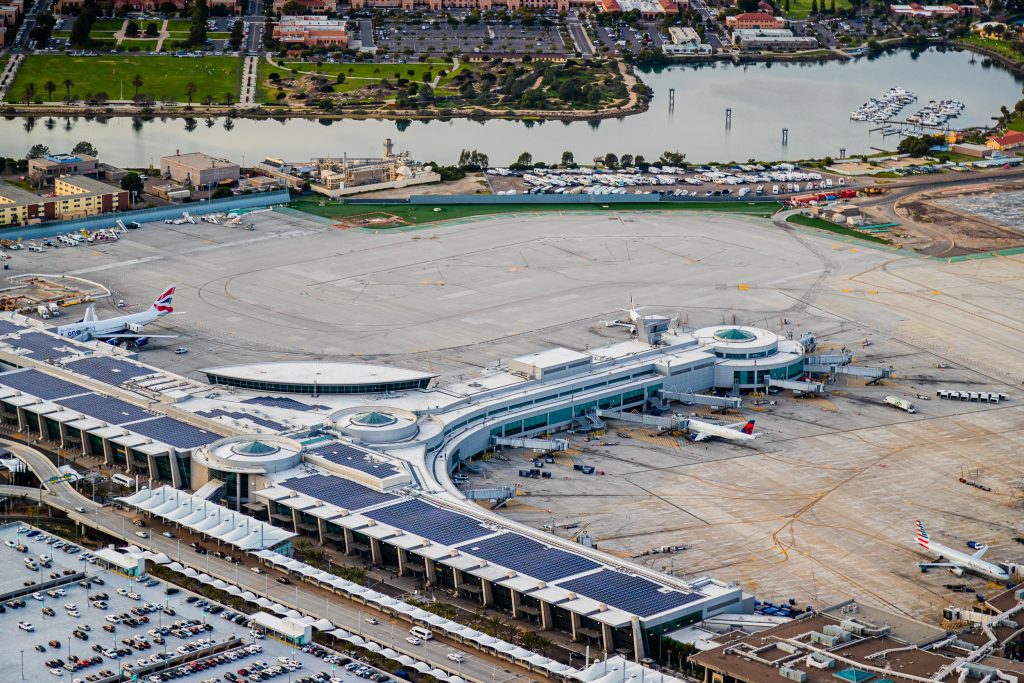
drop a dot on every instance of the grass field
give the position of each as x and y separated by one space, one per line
799 9
139 45
820 224
1002 47
161 76
372 72
179 25
416 214
1017 125
111 25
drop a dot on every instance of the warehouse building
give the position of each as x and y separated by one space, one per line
72 197
199 170
44 170
772 40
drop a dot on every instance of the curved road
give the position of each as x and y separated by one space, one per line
477 666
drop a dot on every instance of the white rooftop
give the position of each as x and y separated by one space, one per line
313 372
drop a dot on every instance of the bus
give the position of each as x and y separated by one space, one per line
123 480
421 633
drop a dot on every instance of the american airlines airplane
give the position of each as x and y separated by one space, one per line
959 562
122 327
739 431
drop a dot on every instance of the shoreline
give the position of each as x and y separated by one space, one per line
258 112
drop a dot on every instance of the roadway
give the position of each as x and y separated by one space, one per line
579 36
477 666
254 22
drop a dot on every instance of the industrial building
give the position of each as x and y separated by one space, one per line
199 170
772 39
685 40
72 197
338 177
44 170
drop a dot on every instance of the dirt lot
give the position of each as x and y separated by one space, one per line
473 183
969 231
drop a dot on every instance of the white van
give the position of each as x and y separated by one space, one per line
421 633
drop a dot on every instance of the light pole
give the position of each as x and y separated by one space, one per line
22 665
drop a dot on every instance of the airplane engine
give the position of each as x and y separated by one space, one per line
957 570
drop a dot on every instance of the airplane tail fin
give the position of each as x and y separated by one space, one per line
90 314
162 305
922 535
748 428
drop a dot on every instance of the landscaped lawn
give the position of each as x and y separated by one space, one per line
139 45
1017 125
179 25
112 74
372 72
821 224
111 25
1003 47
798 9
424 213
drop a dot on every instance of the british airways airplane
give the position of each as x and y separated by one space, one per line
122 327
959 562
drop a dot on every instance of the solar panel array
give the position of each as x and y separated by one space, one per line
337 491
7 326
40 346
175 433
346 455
39 384
112 410
262 421
435 524
632 594
529 557
284 402
109 370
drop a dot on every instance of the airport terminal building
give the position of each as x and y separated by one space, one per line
359 457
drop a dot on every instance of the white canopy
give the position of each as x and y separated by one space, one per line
203 516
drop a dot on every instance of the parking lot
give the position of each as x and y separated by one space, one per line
439 37
85 631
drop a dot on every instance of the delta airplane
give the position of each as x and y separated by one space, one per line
123 327
739 431
959 562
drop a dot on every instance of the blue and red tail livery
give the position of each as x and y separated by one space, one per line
163 303
748 428
922 535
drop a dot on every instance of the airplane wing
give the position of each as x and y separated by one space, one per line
980 552
701 436
930 565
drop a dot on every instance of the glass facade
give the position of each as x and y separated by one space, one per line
291 388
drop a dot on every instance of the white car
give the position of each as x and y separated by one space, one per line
79 509
122 591
168 534
142 534
37 596
70 606
25 626
181 350
9 543
371 620
455 657
413 640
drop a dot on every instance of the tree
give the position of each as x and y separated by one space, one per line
568 160
49 87
151 30
190 91
525 160
671 158
610 160
38 152
747 5
30 92
132 182
85 147
83 25
132 29
814 6
43 29
137 83
626 160
223 193
67 88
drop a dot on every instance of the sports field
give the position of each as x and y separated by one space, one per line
113 74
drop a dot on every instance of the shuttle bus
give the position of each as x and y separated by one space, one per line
421 633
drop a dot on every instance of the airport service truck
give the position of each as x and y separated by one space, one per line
900 403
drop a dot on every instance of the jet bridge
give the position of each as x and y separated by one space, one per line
659 421
797 386
871 374
532 444
691 398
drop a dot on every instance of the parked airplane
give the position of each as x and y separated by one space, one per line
124 327
959 562
630 322
739 431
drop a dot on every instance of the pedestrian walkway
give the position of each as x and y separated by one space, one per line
250 79
10 70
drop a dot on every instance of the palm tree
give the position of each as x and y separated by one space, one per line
30 92
67 86
190 90
137 82
50 87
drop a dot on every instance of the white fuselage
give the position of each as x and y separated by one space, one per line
85 331
966 562
721 431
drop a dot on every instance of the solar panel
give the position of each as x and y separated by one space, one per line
40 346
109 370
346 455
529 557
39 384
435 524
7 326
112 410
284 402
255 419
175 433
631 594
337 491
